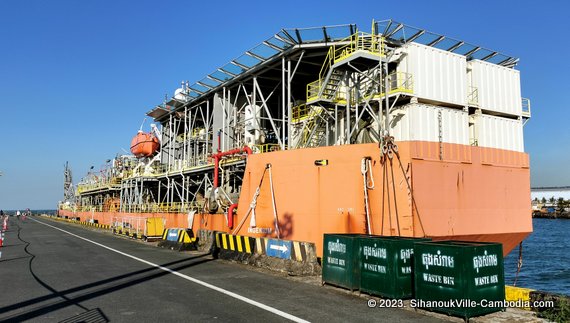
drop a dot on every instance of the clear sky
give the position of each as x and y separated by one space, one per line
77 77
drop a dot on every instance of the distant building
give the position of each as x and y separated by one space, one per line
549 192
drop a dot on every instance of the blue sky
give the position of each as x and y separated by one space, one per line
77 77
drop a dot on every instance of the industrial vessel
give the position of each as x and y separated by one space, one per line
399 131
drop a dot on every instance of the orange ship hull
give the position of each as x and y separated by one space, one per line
455 192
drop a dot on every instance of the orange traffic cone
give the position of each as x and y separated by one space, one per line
5 227
1 238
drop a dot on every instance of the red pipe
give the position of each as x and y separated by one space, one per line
219 155
231 215
219 141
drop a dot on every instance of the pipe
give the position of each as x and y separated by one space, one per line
219 141
231 215
219 155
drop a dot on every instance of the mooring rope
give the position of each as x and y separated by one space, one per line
519 264
252 206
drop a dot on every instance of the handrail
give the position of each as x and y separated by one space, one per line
174 207
373 44
304 111
525 102
473 95
327 64
266 148
360 41
107 183
313 89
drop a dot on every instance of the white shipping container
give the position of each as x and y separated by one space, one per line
501 133
421 122
499 87
438 75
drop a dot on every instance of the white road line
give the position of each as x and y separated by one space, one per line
194 280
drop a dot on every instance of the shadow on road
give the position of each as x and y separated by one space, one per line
112 284
17 258
91 316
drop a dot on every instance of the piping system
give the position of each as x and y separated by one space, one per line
217 157
231 215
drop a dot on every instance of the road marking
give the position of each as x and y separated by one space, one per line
194 280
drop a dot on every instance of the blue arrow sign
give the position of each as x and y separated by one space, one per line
172 235
279 248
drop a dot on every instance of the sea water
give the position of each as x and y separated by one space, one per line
545 257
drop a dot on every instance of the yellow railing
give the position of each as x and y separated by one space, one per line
108 183
86 208
176 207
329 61
313 90
307 133
370 43
341 97
398 82
359 41
300 111
303 111
266 148
197 132
157 170
309 129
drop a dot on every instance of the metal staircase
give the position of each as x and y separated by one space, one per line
310 125
313 133
360 47
331 85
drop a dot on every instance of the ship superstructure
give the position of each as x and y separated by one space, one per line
399 131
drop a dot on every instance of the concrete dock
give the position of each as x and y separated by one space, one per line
53 271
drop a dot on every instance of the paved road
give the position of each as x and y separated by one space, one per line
52 272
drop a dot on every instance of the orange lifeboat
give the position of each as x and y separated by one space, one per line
144 144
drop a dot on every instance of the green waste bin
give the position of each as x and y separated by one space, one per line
386 265
460 278
340 261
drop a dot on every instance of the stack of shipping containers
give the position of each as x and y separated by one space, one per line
458 101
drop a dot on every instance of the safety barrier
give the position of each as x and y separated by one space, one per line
235 242
146 228
265 148
525 107
303 112
175 207
277 248
96 225
77 220
132 227
286 249
178 239
473 96
127 232
111 183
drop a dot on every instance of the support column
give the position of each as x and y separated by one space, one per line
283 102
289 104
